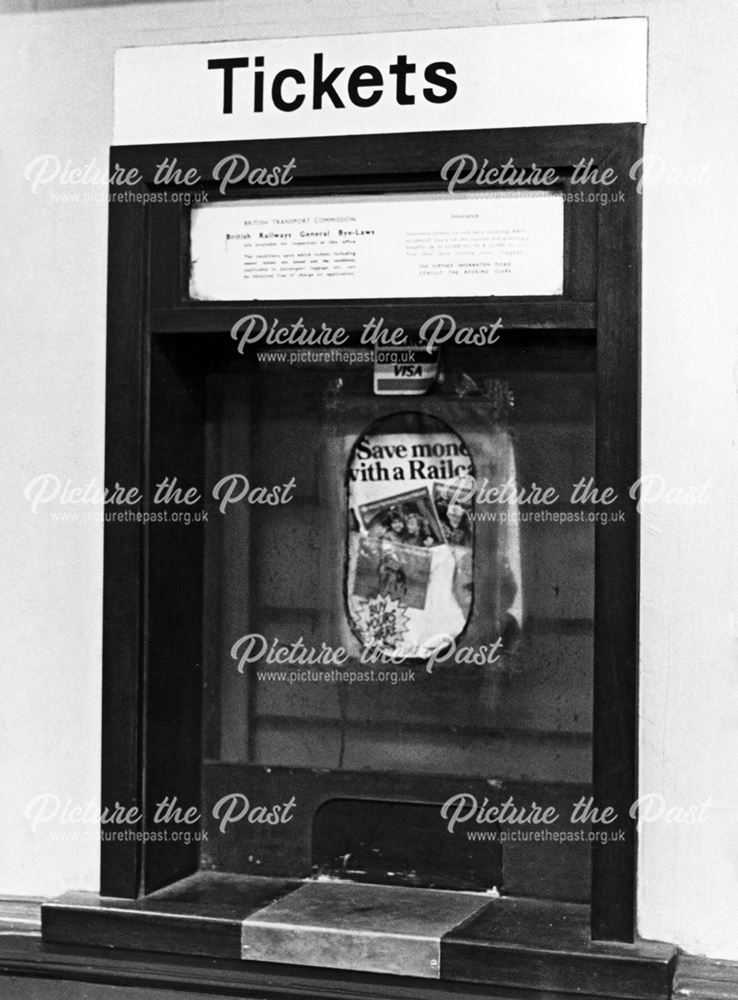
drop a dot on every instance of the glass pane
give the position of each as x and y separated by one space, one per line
508 692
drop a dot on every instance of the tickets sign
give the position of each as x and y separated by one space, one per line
559 73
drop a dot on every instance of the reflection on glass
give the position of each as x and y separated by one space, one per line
507 584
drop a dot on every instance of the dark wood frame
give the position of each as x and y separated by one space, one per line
26 958
602 292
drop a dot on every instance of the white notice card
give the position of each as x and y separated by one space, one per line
388 246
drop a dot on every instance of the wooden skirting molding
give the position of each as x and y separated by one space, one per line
699 978
695 977
20 916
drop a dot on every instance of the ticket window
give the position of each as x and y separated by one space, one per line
397 541
381 553
382 599
467 635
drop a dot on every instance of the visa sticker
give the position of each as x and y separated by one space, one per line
404 371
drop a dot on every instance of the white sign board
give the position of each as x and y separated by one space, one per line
557 73
389 246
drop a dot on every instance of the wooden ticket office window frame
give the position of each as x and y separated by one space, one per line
152 684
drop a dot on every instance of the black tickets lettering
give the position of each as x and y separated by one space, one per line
257 86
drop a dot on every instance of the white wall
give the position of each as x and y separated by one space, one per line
58 67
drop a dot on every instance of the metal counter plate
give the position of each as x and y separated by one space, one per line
369 928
